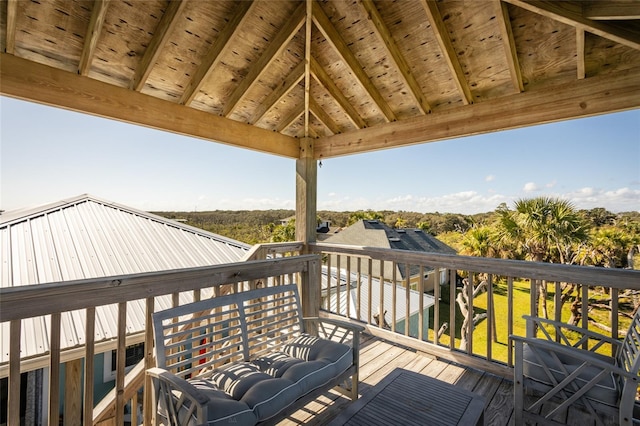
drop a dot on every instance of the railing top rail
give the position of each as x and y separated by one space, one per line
589 275
43 299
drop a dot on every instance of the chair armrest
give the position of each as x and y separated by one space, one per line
561 327
344 324
579 355
177 383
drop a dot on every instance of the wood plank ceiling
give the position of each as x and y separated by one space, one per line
353 76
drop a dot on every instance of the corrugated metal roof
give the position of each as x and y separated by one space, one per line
400 308
85 237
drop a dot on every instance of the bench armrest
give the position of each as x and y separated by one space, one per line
560 328
165 381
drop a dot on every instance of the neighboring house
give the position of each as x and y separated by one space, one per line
335 289
373 233
85 237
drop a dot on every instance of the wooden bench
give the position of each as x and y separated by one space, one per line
247 358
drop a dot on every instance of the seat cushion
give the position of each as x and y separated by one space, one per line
264 394
605 391
222 409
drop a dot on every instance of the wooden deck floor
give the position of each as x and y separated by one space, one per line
378 358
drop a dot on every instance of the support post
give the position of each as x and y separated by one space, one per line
306 223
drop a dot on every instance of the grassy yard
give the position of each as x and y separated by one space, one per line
499 349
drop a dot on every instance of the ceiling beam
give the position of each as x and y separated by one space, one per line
12 16
321 76
401 64
282 90
570 13
214 55
98 14
289 119
340 46
448 52
275 48
610 10
502 14
581 98
323 117
30 81
164 29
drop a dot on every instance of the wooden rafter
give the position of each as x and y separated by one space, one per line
570 13
321 76
401 64
284 88
502 14
580 65
214 55
161 34
340 46
98 14
307 65
582 98
12 12
610 10
323 117
289 119
276 47
448 52
24 79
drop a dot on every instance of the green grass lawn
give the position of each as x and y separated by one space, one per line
521 299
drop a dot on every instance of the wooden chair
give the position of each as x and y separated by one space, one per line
552 368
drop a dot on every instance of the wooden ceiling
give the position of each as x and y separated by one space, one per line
343 76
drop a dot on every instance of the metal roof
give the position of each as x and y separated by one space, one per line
85 237
388 300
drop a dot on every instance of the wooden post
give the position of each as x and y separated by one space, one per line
73 394
306 190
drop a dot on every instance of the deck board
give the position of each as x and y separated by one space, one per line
378 358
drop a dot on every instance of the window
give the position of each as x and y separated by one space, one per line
133 355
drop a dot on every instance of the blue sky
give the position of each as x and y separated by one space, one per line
48 154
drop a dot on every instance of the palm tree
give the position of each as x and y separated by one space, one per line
542 229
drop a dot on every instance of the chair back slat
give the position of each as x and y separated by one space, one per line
629 355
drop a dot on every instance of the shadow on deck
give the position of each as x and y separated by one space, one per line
378 358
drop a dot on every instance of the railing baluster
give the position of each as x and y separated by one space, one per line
369 290
54 370
348 280
358 292
452 309
510 319
421 306
394 297
120 361
381 320
89 352
338 284
491 328
470 308
407 315
13 407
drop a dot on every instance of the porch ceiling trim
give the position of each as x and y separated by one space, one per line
577 99
27 80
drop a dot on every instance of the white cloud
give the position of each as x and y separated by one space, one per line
551 184
530 187
489 178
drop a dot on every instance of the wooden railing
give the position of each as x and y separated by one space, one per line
487 345
59 299
330 270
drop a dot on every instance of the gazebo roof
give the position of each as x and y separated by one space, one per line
352 76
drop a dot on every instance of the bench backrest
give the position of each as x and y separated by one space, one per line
197 337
